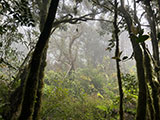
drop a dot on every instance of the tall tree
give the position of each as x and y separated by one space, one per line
152 23
117 55
30 90
43 6
138 54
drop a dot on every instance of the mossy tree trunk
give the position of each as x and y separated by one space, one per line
43 7
37 107
150 107
30 91
149 69
138 54
152 97
152 82
152 23
15 99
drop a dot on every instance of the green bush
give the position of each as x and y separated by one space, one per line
89 95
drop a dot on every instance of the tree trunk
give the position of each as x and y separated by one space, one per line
149 76
151 21
151 110
117 52
31 86
37 107
15 99
138 54
43 7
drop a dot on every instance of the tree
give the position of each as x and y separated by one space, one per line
138 54
31 86
117 55
152 23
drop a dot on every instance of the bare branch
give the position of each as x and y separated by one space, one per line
74 20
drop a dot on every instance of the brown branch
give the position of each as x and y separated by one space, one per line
74 20
8 64
100 5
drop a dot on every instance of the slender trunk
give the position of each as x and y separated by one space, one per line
117 63
151 110
149 78
159 7
32 79
72 58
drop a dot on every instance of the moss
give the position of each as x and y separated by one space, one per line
37 106
154 89
30 92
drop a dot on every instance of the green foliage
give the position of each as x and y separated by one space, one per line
130 89
82 98
4 93
91 80
111 44
130 83
89 95
141 37
17 12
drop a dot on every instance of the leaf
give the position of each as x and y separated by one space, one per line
159 35
125 57
101 107
115 57
110 44
100 95
120 53
1 44
142 38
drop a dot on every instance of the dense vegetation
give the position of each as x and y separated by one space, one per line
79 60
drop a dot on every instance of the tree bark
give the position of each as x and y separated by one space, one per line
149 76
31 86
151 21
151 110
37 107
117 52
152 98
138 54
43 7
